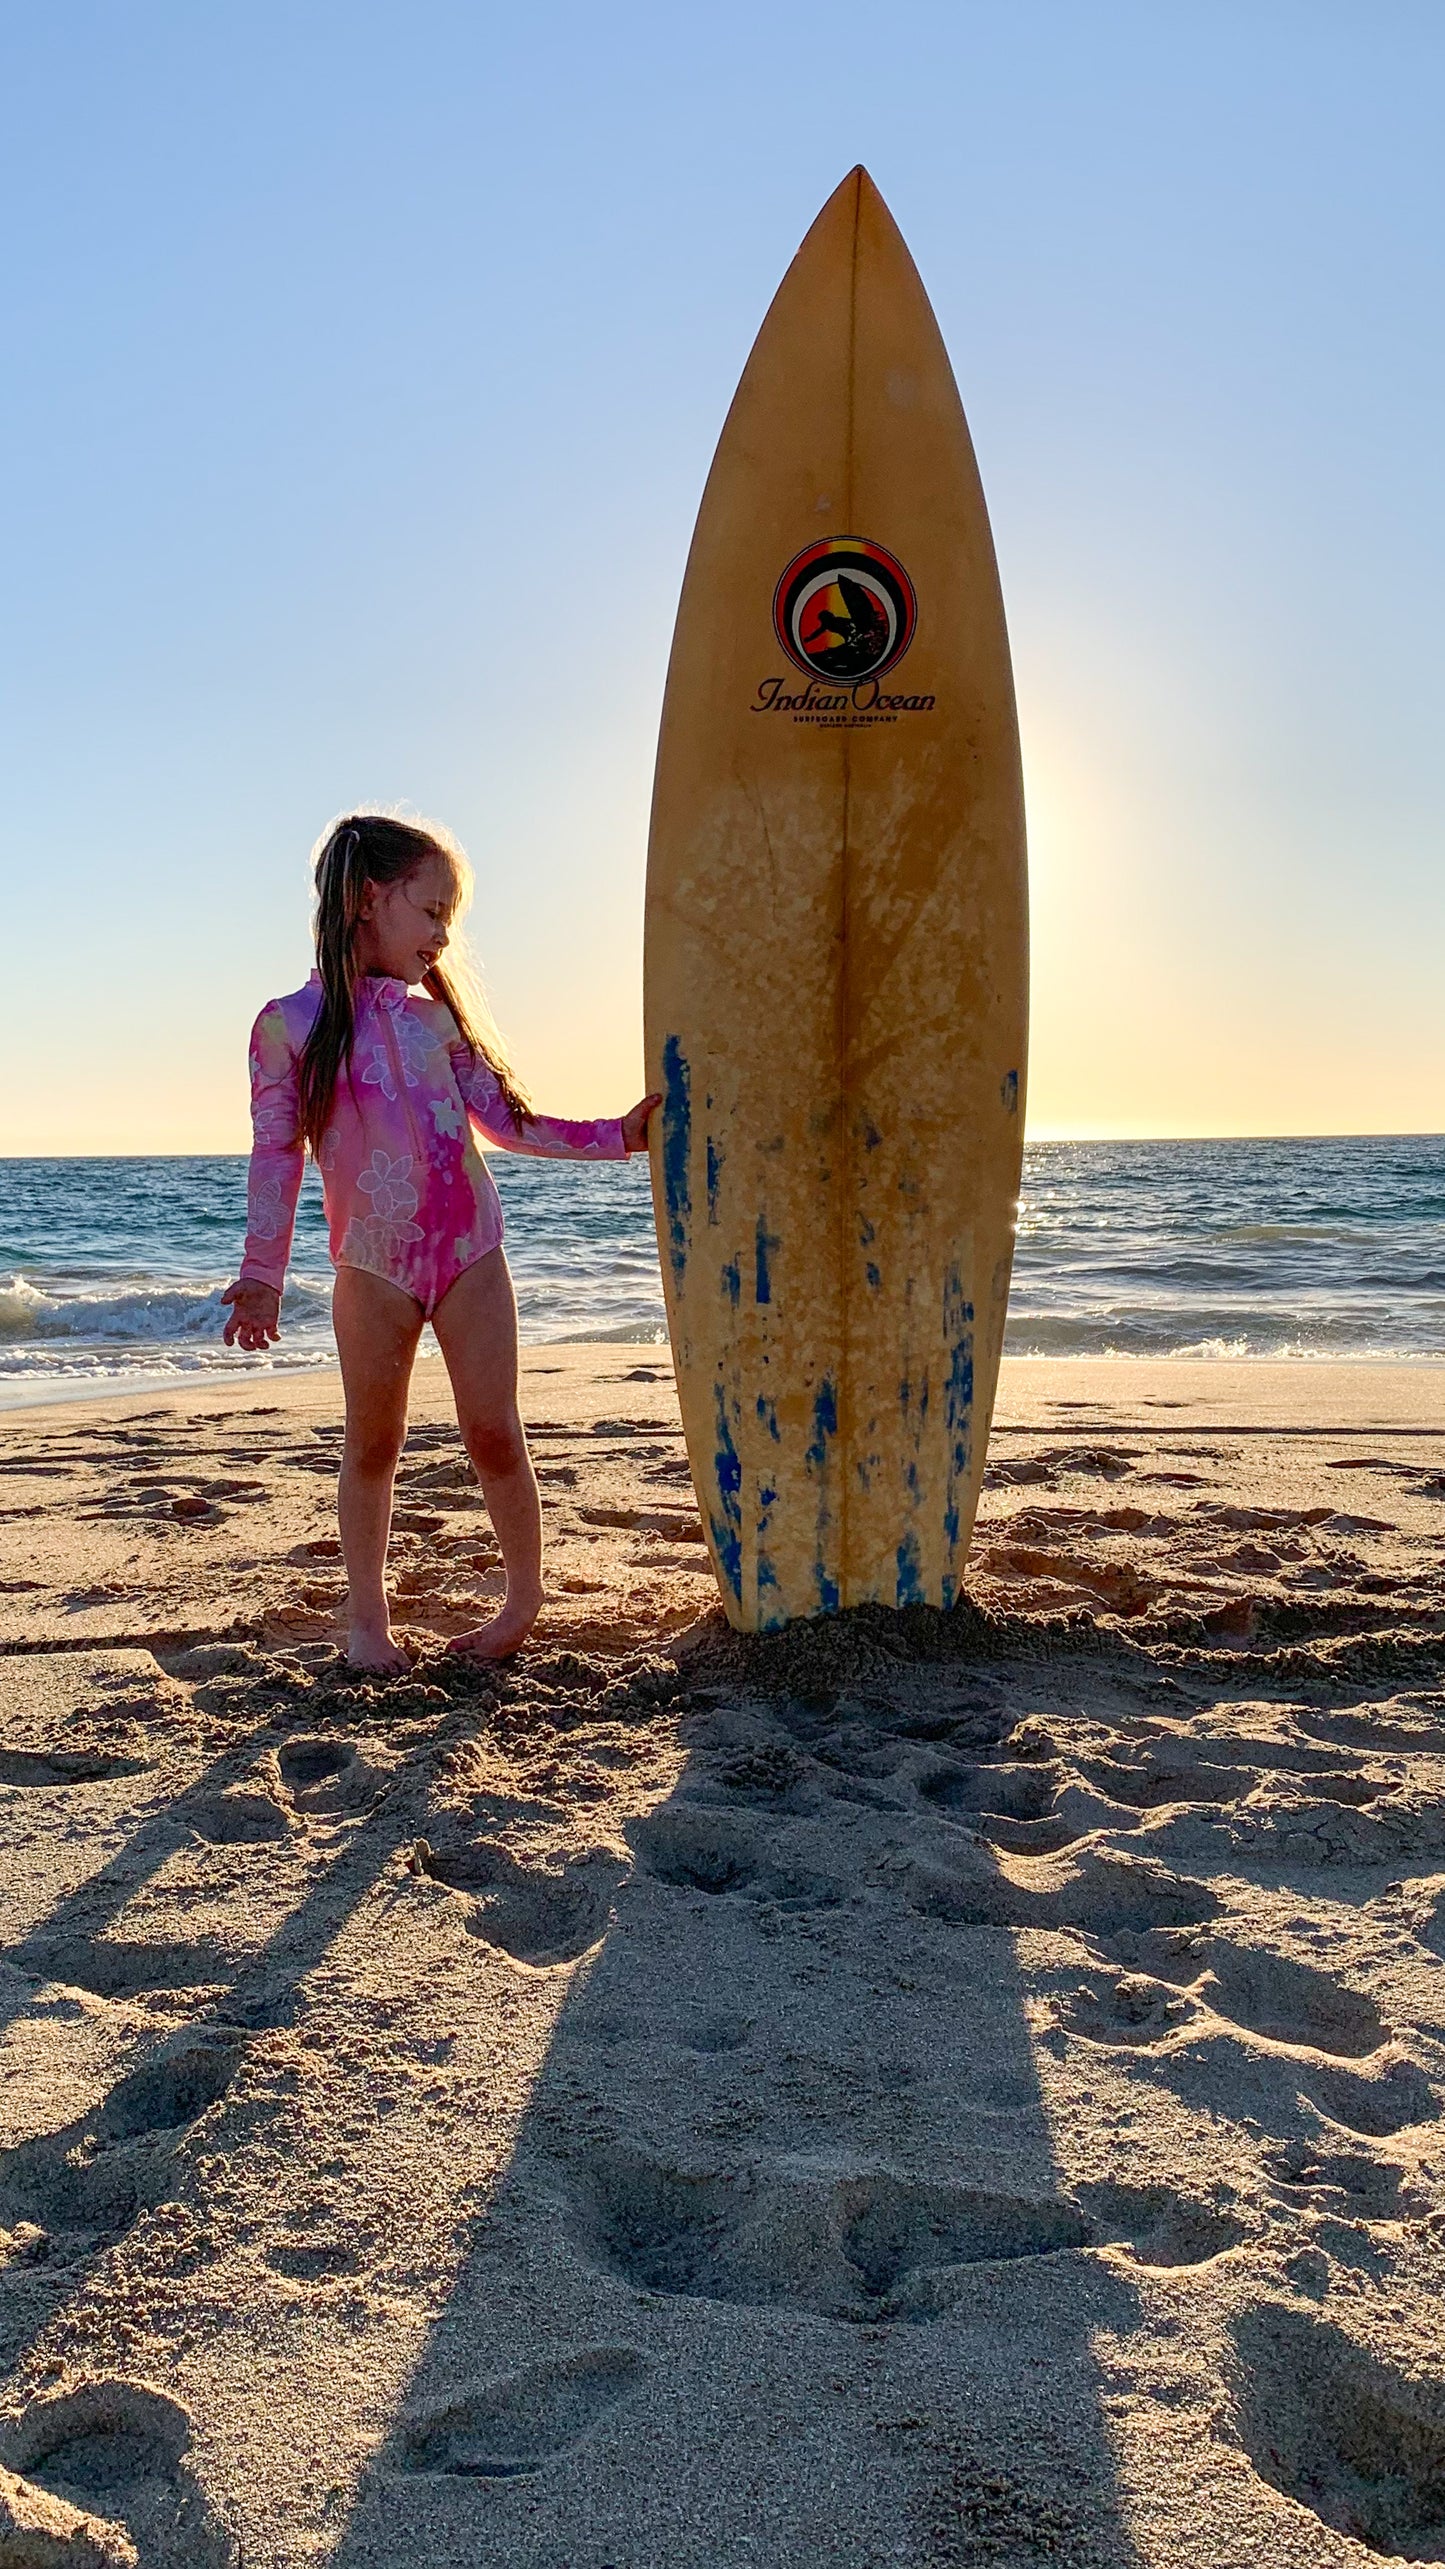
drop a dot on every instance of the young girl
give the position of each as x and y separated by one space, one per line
385 1085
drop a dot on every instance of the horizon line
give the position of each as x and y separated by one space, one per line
1050 1138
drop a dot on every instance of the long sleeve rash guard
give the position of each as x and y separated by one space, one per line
407 1189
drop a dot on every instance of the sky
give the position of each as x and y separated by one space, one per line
363 366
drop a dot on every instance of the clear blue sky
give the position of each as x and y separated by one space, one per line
362 369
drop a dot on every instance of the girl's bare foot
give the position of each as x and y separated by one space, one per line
377 1651
505 1633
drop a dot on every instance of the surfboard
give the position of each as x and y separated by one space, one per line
836 953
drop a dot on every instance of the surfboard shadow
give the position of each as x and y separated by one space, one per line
783 2266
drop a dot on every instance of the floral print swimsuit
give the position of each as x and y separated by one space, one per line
408 1192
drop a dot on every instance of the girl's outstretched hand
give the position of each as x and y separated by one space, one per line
255 1315
634 1124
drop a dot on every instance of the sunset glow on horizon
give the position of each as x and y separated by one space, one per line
356 440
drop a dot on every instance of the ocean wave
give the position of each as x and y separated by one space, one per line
40 1377
1175 1330
650 1332
132 1313
110 1270
115 1365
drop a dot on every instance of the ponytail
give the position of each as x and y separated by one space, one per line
363 848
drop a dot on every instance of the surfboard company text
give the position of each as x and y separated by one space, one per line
865 701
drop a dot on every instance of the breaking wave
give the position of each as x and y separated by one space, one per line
111 1271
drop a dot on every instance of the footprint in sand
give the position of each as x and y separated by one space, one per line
867 2246
36 1769
1215 2065
1406 1722
1127 2010
1270 1995
239 1816
1161 2227
326 1776
1011 1475
97 2174
507 2428
538 1915
1329 1770
1334 2426
1345 1821
772 1776
1050 1836
208 1659
694 1851
1309 2028
1119 1587
1012 1806
853 2248
117 2451
711 2035
1429 1925
1153 1783
112 1969
1016 1792
1377 2104
966 1721
858 1750
1094 1462
1101 1895
313 2261
677 1527
1350 2182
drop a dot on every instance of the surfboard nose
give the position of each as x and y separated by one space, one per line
856 210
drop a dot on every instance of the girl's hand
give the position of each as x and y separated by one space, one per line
255 1316
634 1124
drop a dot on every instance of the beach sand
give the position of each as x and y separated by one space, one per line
913 2090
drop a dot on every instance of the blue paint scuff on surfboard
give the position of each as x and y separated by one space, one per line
677 1153
727 1533
825 1429
958 1412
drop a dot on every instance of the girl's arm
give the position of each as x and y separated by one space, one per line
543 1137
278 1153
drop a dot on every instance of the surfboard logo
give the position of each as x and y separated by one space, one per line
845 608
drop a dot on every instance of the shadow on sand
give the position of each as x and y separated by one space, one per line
783 2268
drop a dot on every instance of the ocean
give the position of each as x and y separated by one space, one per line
111 1269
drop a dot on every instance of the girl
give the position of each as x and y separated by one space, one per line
385 1085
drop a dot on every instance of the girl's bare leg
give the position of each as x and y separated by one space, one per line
476 1325
377 1328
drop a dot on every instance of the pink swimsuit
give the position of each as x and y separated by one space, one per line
408 1193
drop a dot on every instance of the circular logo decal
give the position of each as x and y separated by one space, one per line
845 609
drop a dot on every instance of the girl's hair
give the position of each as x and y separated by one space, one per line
371 847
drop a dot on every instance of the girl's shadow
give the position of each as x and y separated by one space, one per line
782 2267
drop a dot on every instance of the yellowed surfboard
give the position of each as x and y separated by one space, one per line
837 962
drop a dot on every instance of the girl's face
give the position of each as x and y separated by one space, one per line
404 926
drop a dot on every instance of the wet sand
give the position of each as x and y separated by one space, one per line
924 2090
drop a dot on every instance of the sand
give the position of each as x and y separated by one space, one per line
916 2091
